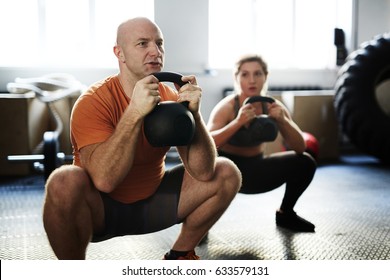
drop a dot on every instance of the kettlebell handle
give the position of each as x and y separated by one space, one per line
173 78
262 99
258 98
170 77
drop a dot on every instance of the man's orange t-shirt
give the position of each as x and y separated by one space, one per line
94 118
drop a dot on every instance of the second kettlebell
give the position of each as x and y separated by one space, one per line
263 128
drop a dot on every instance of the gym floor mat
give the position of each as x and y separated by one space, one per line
348 201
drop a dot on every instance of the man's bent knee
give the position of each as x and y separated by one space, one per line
230 173
66 182
66 173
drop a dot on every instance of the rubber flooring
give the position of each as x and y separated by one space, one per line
348 201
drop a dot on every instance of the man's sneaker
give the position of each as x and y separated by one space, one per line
292 221
189 256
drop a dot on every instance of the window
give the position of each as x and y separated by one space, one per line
72 33
287 33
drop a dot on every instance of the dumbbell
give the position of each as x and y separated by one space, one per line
51 157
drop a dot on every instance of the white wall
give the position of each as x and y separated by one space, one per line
373 17
184 24
185 27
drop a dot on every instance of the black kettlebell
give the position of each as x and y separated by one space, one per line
170 123
261 129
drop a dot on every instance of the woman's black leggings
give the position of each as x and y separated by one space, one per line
265 173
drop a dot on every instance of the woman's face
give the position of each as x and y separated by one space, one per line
251 78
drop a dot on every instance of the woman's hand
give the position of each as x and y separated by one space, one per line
277 112
246 114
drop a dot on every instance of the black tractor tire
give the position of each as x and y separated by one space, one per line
360 116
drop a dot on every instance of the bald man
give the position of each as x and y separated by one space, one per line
118 184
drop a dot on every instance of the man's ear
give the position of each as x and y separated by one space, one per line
119 54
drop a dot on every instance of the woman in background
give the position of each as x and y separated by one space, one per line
261 173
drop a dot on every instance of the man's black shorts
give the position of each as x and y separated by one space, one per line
154 213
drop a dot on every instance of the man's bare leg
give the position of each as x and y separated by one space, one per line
202 203
72 209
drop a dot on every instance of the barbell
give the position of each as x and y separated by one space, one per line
51 157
